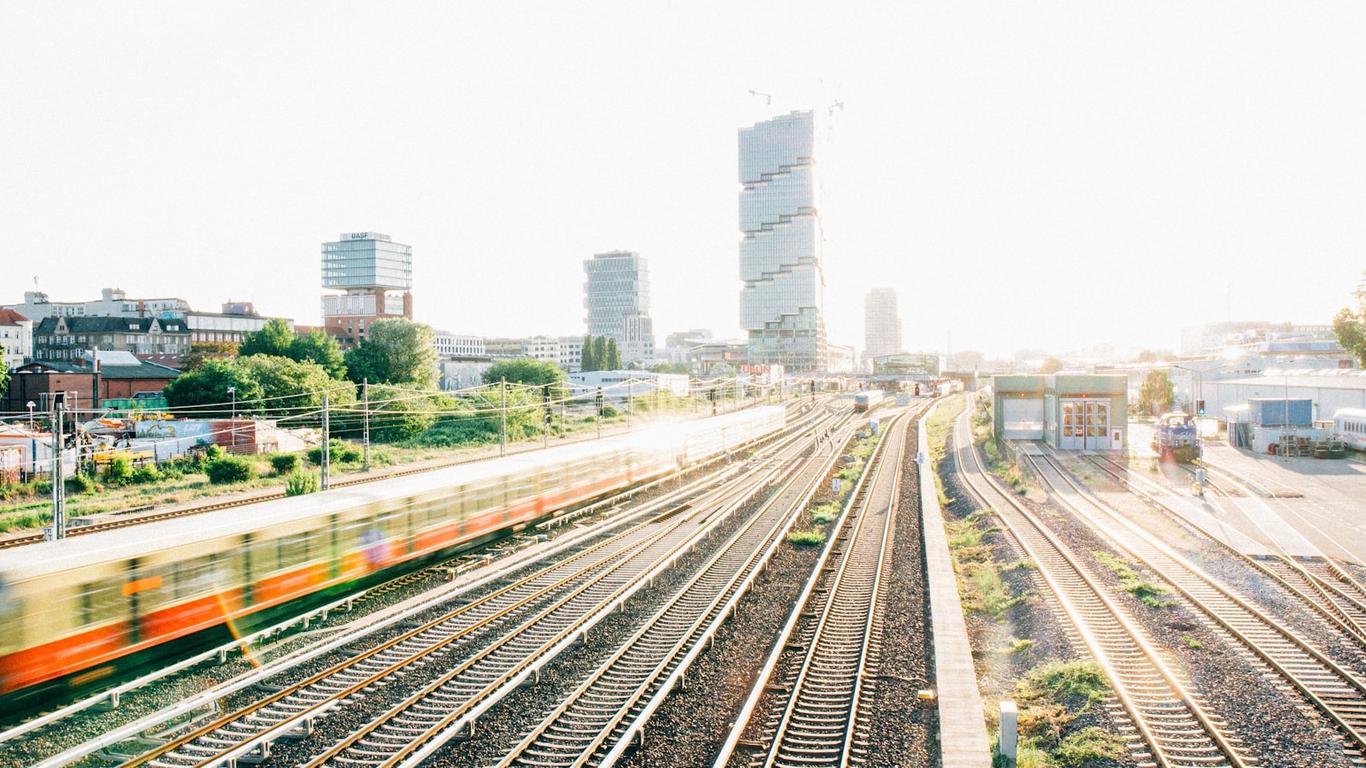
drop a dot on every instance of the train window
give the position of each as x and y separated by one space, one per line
292 550
200 575
101 602
265 557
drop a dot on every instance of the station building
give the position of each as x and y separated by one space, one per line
1067 411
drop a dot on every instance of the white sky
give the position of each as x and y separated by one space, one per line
1042 174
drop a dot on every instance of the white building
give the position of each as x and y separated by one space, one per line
1328 389
621 385
881 324
230 325
569 355
449 344
783 297
16 338
462 371
616 296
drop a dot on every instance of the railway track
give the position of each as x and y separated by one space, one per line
1334 691
480 650
115 523
824 720
597 722
1172 726
1320 583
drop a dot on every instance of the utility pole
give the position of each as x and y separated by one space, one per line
564 395
365 417
503 418
233 391
545 416
326 467
58 482
630 402
597 412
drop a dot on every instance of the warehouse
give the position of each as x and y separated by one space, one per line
1329 390
1067 411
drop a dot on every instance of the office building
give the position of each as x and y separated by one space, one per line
881 324
782 298
449 344
375 277
231 325
616 296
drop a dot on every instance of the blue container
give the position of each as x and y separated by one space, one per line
1273 412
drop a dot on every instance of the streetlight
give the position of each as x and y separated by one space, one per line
233 391
30 415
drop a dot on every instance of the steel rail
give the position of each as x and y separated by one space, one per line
447 707
514 563
253 727
818 722
595 716
1173 726
1334 691
1318 592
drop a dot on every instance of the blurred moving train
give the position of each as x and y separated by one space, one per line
87 608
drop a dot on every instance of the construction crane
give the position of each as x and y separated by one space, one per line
768 97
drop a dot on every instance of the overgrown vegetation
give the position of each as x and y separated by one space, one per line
300 483
1052 698
806 538
229 469
980 586
1151 594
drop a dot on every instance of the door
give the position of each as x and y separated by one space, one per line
1022 418
1072 425
1097 425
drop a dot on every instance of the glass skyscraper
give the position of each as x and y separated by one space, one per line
617 297
376 277
782 299
881 323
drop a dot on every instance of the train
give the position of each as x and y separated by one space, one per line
1349 427
1175 438
87 610
867 400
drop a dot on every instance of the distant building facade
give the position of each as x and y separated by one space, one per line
881 323
782 298
375 277
16 338
236 319
677 345
71 338
449 344
616 296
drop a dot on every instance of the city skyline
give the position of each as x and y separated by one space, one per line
240 171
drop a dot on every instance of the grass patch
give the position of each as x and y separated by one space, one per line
1192 643
811 538
825 513
1019 645
980 586
1149 593
1050 698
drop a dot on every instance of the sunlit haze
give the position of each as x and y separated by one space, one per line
1113 171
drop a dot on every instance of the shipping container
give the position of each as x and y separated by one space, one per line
1272 412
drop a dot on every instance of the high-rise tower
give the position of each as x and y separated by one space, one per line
782 300
617 297
881 323
375 275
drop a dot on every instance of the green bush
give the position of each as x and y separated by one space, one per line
212 452
147 473
299 483
229 469
284 463
81 483
119 471
341 452
806 538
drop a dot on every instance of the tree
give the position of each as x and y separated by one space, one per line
589 361
208 385
4 375
1050 365
670 368
1156 393
1350 325
600 360
203 351
525 370
397 351
318 347
274 338
265 385
613 356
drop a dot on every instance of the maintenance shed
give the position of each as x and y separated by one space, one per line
1086 411
1017 406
